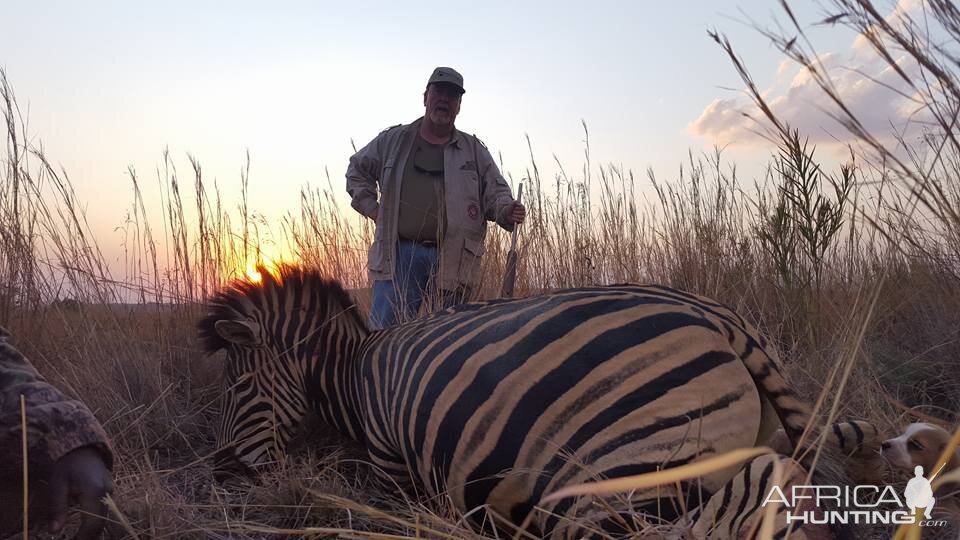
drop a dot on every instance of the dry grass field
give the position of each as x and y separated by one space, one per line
854 274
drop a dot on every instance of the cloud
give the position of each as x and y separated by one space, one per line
873 92
724 121
784 67
903 9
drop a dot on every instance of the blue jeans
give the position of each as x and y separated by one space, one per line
399 300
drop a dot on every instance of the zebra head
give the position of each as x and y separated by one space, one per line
263 398
274 334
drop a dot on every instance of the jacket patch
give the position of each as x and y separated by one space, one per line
469 166
473 211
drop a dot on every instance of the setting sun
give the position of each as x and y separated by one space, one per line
254 275
270 263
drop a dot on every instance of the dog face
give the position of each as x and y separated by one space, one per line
921 444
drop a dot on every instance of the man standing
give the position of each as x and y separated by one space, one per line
437 187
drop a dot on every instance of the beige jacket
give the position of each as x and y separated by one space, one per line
474 193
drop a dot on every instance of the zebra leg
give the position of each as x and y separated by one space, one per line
859 442
737 511
854 444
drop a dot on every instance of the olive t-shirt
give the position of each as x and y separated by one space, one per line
421 193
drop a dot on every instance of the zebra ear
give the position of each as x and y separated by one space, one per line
244 333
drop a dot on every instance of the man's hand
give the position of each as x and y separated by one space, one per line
80 477
517 212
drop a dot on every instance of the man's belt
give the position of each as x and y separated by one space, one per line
427 243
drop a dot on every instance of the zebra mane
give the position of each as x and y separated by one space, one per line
241 299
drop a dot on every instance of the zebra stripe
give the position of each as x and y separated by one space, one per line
497 403
851 457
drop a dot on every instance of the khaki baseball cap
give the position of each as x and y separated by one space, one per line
447 75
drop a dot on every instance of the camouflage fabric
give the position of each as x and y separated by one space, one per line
56 424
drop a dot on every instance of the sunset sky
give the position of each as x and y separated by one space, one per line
111 84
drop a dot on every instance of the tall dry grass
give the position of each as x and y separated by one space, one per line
842 281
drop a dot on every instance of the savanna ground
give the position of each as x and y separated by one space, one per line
854 273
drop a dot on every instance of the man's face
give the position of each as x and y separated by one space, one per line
442 102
